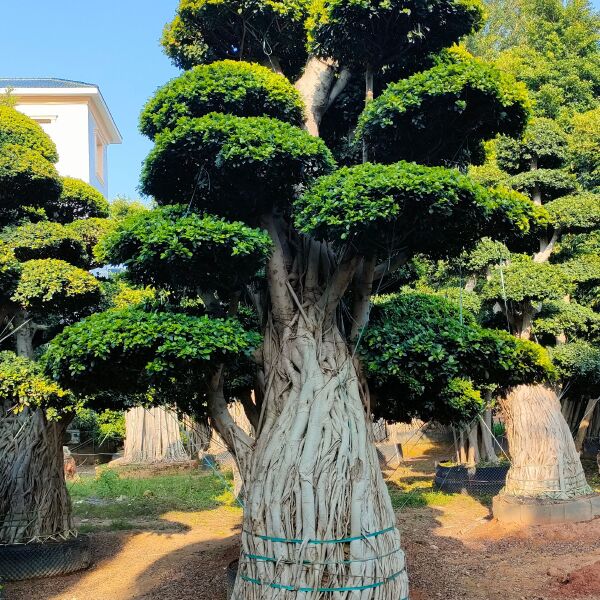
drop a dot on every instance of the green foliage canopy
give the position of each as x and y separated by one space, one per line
204 31
16 129
576 212
234 87
78 200
443 114
523 280
23 384
423 361
404 205
132 351
232 166
47 239
366 33
173 248
26 178
55 286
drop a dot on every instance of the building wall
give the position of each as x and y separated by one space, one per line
97 151
71 127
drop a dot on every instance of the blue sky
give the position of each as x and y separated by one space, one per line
114 43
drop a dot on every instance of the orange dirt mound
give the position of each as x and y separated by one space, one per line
584 582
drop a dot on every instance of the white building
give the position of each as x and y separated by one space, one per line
74 114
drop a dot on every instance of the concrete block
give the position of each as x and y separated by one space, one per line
558 513
595 501
536 514
578 510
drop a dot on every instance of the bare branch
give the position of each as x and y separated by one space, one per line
390 265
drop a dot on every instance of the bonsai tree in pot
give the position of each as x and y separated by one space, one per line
257 230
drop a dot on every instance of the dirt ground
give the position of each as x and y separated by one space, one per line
454 551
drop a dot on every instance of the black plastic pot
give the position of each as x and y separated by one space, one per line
488 480
454 479
45 559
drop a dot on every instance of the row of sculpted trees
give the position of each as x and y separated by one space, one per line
304 159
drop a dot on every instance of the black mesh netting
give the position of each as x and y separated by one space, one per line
478 480
25 561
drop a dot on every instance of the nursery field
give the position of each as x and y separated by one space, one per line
172 533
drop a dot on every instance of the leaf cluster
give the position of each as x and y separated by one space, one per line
78 200
576 212
443 114
233 166
131 350
23 384
55 286
433 210
16 129
544 142
204 31
424 361
176 249
376 33
523 280
238 88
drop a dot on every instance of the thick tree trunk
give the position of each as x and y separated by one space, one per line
488 451
585 424
34 502
545 463
152 435
318 520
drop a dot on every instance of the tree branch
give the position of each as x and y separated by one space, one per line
546 249
239 443
363 287
277 275
315 86
338 284
390 265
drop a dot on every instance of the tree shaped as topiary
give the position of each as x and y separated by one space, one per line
45 285
257 230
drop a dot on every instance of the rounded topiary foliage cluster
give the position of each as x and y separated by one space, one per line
18 129
373 34
47 239
425 358
131 350
465 102
377 206
204 31
219 159
169 246
23 383
26 178
78 200
238 88
57 287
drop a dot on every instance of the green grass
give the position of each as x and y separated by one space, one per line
113 496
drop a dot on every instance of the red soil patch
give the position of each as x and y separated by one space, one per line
584 582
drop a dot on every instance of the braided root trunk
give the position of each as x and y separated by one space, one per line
545 463
34 502
314 480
